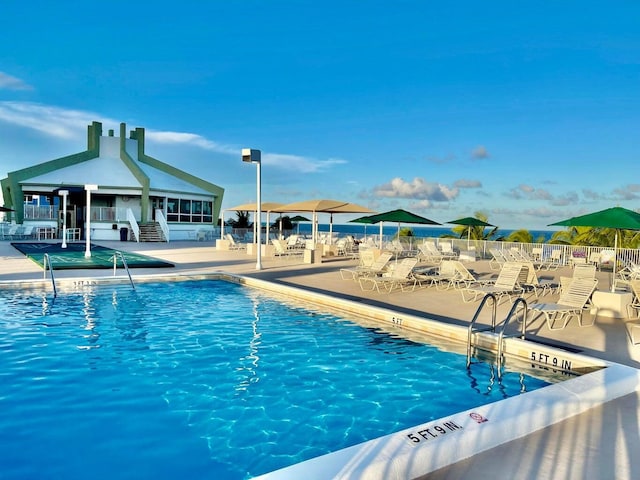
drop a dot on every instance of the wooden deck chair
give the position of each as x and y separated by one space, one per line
572 302
505 285
377 267
400 276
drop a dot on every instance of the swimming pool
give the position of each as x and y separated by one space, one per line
150 384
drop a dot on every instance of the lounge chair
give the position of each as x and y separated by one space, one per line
233 245
529 281
377 267
572 302
445 274
428 252
553 261
450 273
506 285
400 276
635 302
281 250
498 259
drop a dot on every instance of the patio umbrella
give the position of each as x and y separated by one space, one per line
5 209
617 218
470 222
399 216
323 206
365 221
297 219
252 207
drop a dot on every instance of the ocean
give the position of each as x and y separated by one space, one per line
359 230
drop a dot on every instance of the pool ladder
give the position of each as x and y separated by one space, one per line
501 336
46 262
124 263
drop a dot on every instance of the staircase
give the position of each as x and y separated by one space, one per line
151 232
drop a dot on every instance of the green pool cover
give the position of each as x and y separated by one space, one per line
73 256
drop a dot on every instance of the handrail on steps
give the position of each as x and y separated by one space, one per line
124 263
510 315
47 262
475 317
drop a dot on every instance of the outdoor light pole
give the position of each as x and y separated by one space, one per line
87 233
253 156
64 194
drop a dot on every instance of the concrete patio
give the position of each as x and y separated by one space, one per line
596 445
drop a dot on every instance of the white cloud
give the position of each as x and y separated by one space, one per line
480 152
61 123
7 82
418 188
49 120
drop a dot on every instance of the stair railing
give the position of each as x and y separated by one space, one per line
162 221
131 218
117 254
46 262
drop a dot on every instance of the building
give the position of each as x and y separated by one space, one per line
137 197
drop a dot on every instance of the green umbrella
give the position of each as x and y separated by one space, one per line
470 222
299 218
617 218
364 220
400 216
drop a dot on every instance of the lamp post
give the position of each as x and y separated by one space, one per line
87 233
64 194
253 156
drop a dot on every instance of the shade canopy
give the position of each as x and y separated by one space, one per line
5 209
251 207
617 218
399 216
323 206
470 222
299 218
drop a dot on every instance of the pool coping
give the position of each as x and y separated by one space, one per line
419 450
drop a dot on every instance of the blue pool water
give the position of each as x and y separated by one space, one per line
207 380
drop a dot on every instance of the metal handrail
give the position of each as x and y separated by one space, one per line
47 261
510 315
124 263
475 317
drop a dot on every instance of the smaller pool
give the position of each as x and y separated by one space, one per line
208 379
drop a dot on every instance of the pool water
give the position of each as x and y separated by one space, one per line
208 379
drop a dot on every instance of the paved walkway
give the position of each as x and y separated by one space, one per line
600 444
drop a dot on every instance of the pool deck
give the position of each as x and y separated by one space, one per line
599 444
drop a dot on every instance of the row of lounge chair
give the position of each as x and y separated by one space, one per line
515 279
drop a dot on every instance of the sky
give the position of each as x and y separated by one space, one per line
526 111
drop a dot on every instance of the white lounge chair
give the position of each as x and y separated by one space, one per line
233 245
505 285
400 276
377 267
572 302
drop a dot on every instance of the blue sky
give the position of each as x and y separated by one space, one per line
526 111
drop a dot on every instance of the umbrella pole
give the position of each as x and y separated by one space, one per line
615 261
330 228
381 235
